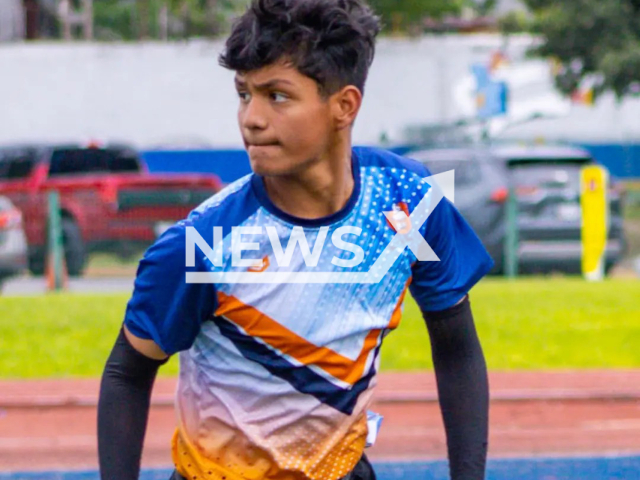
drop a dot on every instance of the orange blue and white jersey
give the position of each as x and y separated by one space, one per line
276 377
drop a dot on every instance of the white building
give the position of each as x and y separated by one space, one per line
159 93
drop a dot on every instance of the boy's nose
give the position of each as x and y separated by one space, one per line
253 116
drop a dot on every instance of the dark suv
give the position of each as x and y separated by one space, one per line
546 181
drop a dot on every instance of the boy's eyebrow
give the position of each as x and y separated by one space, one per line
264 86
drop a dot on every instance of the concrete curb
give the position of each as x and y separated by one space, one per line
54 401
615 385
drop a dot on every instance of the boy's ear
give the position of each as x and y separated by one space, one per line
345 106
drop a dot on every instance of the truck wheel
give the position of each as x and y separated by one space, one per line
37 262
74 251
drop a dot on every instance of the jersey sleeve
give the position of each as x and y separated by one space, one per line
164 307
438 285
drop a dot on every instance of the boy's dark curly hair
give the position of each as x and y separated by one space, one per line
330 41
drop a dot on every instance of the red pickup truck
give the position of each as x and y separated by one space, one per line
109 200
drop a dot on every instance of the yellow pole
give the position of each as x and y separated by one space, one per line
594 181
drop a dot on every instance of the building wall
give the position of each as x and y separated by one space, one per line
176 94
169 93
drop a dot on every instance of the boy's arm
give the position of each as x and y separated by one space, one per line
163 317
123 406
463 388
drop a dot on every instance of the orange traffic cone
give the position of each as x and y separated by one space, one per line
63 283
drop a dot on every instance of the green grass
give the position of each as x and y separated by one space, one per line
111 265
59 335
525 324
538 323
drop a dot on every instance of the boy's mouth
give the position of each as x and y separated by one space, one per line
258 150
262 144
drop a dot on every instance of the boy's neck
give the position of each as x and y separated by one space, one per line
322 189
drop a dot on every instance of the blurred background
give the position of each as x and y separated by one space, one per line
96 96
116 120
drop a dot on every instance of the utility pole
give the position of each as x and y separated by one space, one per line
71 16
212 17
163 22
144 16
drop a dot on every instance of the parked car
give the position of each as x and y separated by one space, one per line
109 200
481 191
546 181
13 242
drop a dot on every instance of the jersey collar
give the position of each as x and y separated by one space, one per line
258 187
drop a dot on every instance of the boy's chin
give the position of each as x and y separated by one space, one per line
271 168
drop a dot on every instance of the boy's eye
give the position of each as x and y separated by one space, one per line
279 97
244 96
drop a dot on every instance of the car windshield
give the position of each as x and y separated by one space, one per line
78 161
16 164
466 171
547 173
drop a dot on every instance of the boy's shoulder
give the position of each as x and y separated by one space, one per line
393 163
227 207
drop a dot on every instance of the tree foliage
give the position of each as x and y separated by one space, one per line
138 19
403 14
594 39
130 19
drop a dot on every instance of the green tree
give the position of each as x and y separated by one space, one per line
115 20
514 22
484 7
597 39
139 19
127 19
144 18
401 15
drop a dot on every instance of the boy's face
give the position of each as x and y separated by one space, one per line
285 123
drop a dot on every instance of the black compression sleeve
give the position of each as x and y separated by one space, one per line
123 409
463 389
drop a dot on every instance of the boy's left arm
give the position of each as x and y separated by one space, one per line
440 288
463 388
